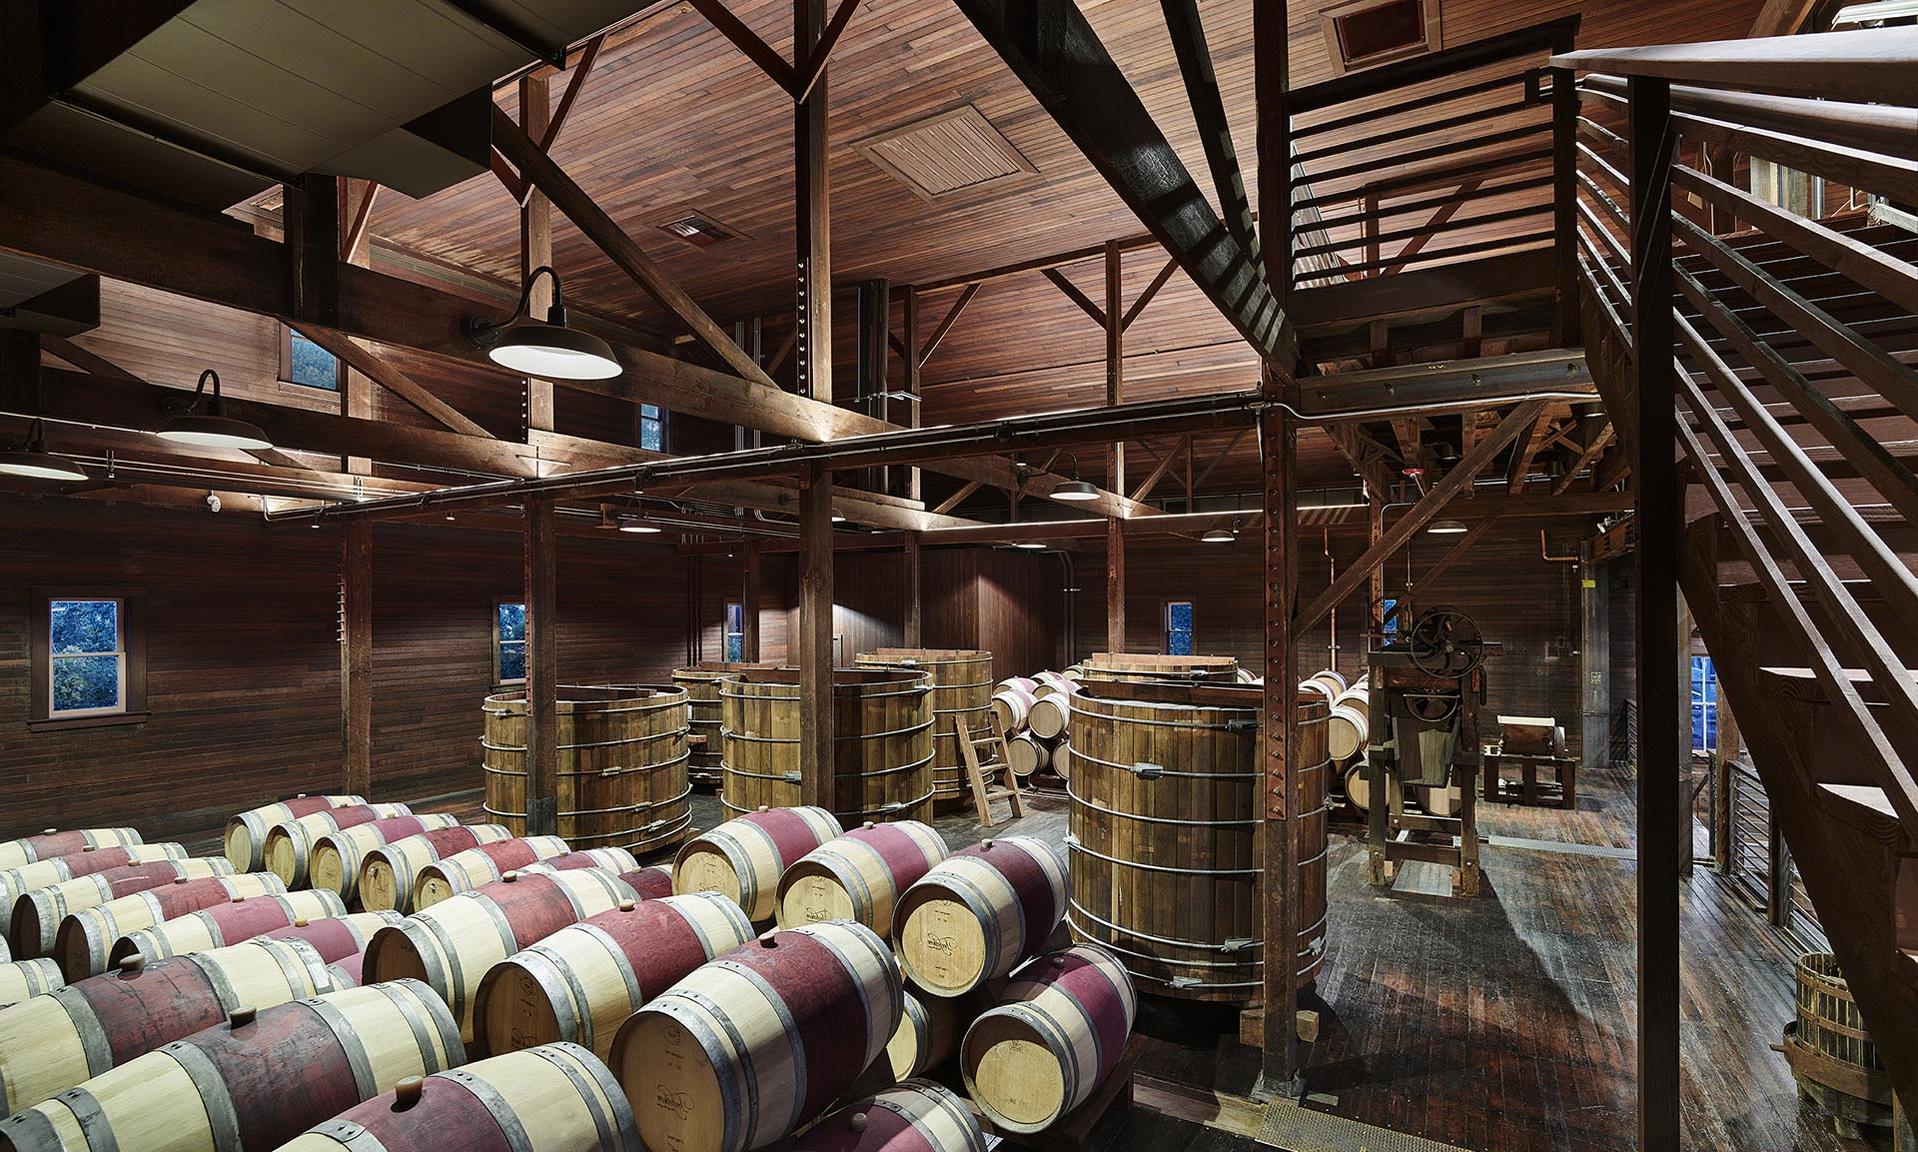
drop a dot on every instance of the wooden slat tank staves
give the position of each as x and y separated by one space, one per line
961 694
701 682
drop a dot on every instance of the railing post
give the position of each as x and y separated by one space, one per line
1656 559
1565 326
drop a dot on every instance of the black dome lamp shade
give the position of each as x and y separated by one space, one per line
32 460
1075 488
213 428
549 350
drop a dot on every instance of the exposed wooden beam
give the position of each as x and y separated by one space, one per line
1074 294
946 322
1187 30
1158 473
535 238
1527 449
821 54
1586 457
1869 65
749 44
354 242
1422 513
812 213
1423 584
379 369
1448 385
581 71
958 497
1151 290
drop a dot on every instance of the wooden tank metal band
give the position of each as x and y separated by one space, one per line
648 738
1072 844
497 1106
755 738
222 1118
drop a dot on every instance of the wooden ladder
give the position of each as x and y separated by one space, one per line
994 740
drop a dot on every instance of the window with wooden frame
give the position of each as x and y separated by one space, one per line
652 427
1178 627
89 658
1365 33
509 642
307 364
735 632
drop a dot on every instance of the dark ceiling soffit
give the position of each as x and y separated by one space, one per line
1051 48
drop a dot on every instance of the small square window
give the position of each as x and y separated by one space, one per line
1178 628
509 643
86 658
735 632
307 364
652 427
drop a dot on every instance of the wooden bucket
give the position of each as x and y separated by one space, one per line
913 1116
1053 711
743 858
232 923
622 765
978 914
582 982
1832 1055
1011 703
1157 666
339 856
246 833
391 871
453 943
17 882
554 1098
1345 729
1027 754
961 693
84 943
1359 793
25 979
882 742
48 844
50 1043
226 1088
857 876
741 1052
37 914
701 684
289 844
1167 832
483 864
1061 1029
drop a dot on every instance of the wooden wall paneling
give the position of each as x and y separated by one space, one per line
356 658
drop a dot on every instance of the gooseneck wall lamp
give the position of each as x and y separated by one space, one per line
213 428
549 350
1075 488
31 459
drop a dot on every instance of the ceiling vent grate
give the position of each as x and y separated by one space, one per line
1365 33
699 230
943 155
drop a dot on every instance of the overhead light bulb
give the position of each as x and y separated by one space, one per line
1446 528
32 459
550 350
212 428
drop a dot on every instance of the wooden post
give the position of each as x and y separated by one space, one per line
812 646
356 387
911 358
312 221
542 669
536 238
1278 458
356 657
1659 706
915 592
748 610
812 349
1115 473
1594 668
1683 658
1565 324
1375 587
875 328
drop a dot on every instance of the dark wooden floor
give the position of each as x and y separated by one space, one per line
1500 1022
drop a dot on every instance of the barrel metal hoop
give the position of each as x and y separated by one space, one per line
726 733
1073 844
408 1007
86 1023
578 1064
789 1027
350 1045
1061 1046
1103 810
737 1101
31 1131
497 1106
297 978
439 960
891 807
1129 769
635 995
725 695
220 1114
93 1119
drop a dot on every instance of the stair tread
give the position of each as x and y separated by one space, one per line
1754 591
1803 684
1866 808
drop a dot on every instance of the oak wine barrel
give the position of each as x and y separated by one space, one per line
51 843
1345 729
882 742
1316 689
1062 1027
232 923
485 863
1050 682
390 872
1334 681
226 1087
701 683
1166 822
289 844
452 944
1051 711
1062 759
37 915
744 857
25 979
913 1116
554 1098
747 1048
582 982
50 1043
623 759
17 882
978 914
336 938
339 856
1158 666
653 882
1011 703
858 876
246 833
1026 754
1359 792
961 694
928 1034
84 942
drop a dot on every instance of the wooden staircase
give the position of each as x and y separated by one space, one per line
1796 405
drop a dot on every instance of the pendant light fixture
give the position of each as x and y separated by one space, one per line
1029 545
1447 528
1218 536
549 350
1075 488
32 459
186 424
636 525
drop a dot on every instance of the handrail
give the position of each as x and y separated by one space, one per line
1877 66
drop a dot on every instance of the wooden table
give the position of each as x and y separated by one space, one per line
1561 789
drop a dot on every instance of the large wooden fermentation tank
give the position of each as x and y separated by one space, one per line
622 765
1166 834
701 682
961 691
1133 666
882 747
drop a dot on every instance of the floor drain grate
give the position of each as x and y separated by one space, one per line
1299 1129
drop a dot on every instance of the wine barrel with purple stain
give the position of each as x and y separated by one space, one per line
485 863
749 1047
289 844
231 923
651 882
858 876
1062 1028
913 1116
50 1043
977 915
255 1081
246 832
85 940
745 857
16 882
556 1097
582 982
51 843
37 914
391 871
337 938
339 856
